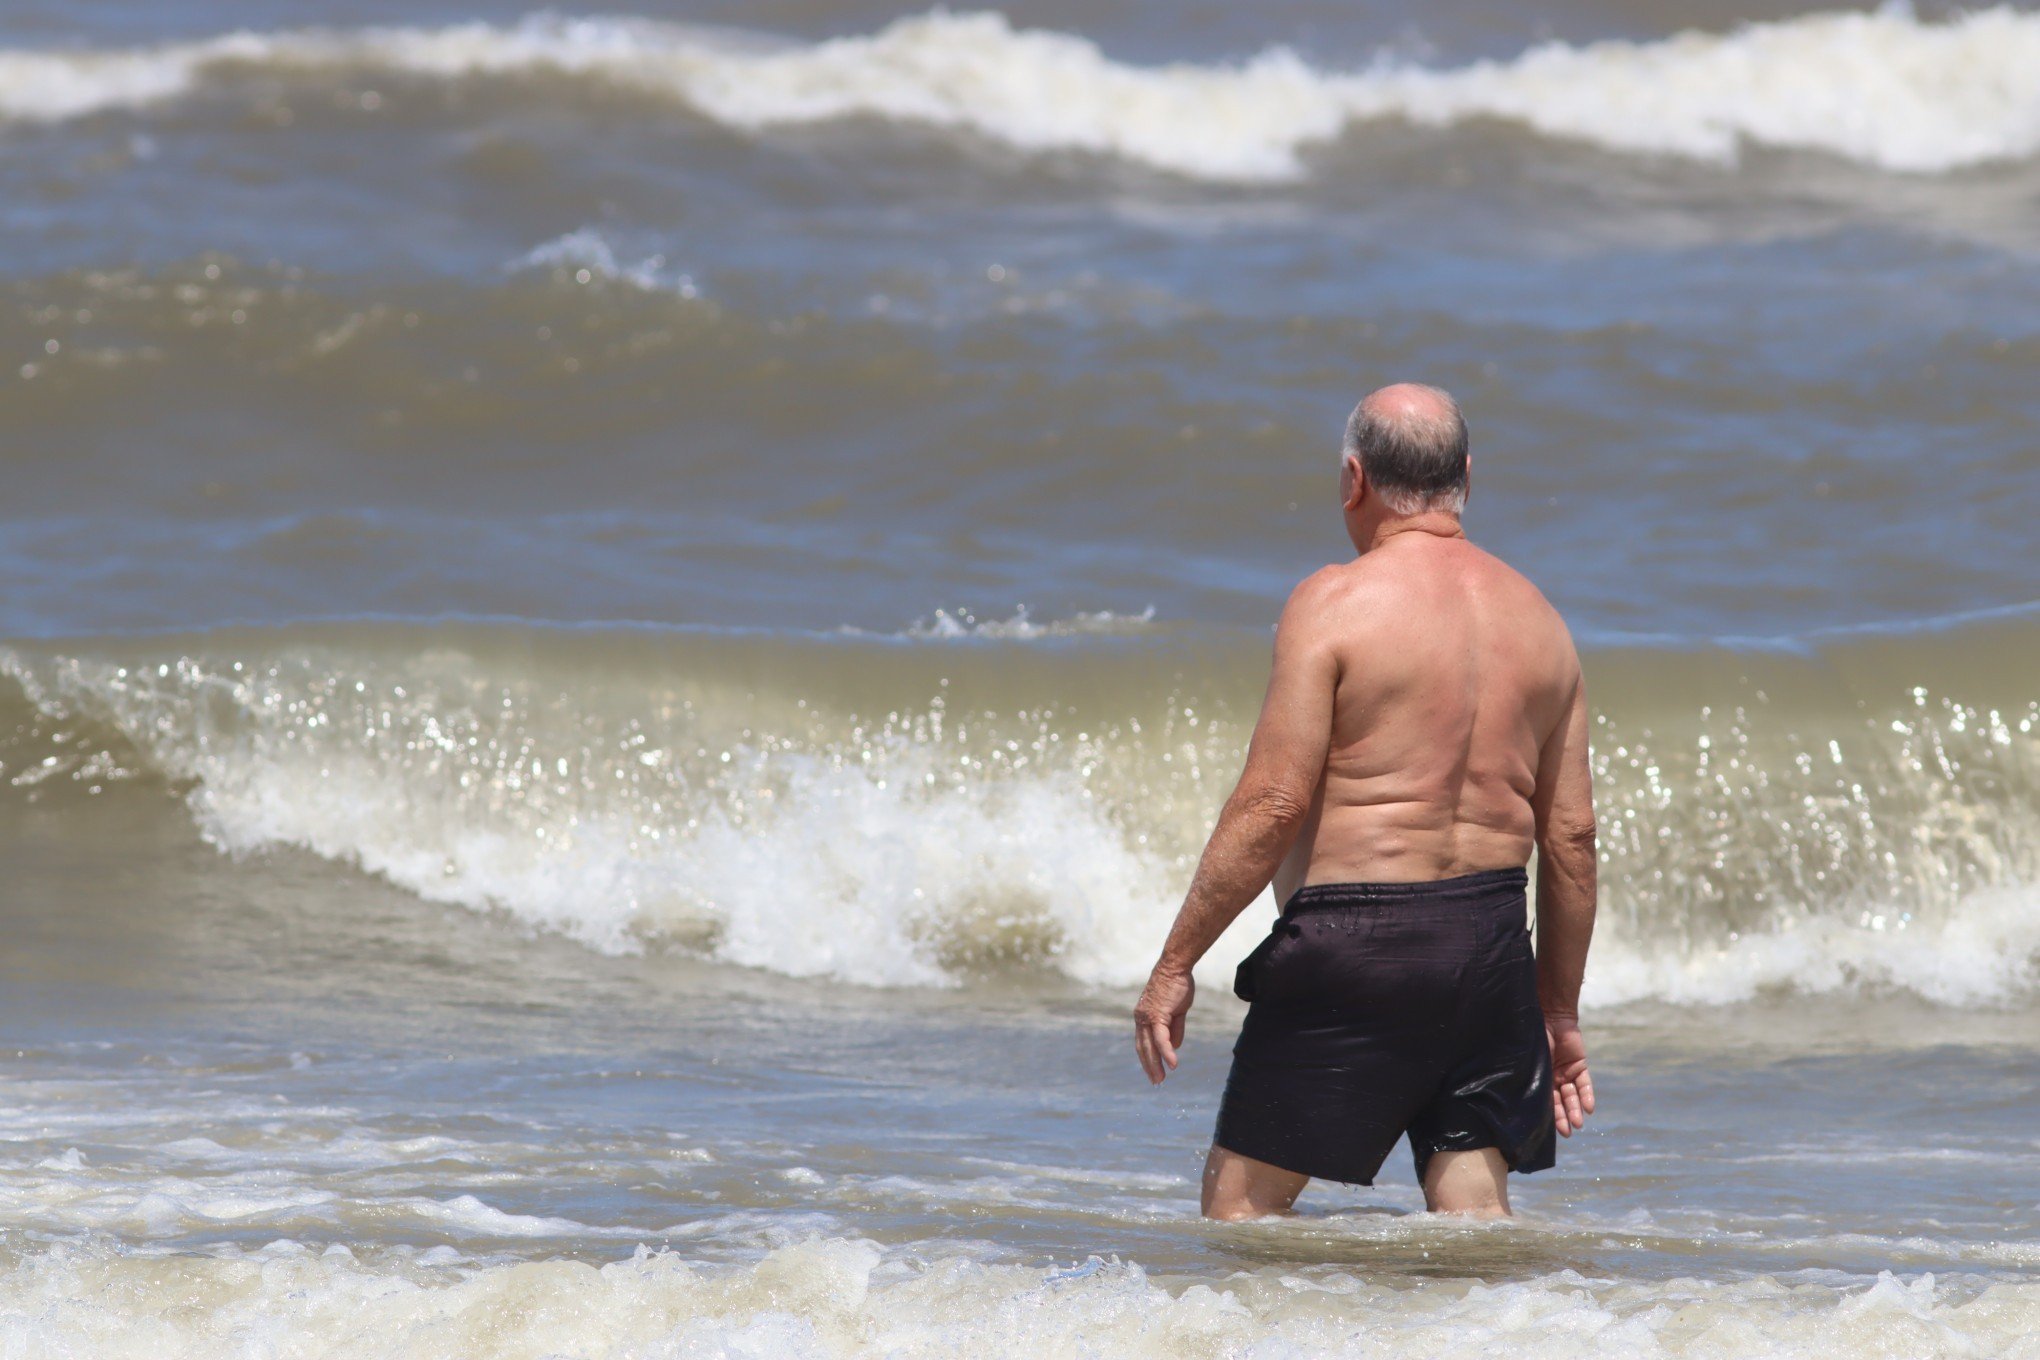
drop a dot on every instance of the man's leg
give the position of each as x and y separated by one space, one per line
1238 1187
1473 1183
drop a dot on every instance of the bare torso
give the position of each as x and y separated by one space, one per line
1453 671
1425 718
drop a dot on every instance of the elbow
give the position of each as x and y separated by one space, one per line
1571 840
1272 805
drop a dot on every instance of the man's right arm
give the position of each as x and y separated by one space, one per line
1566 887
1259 823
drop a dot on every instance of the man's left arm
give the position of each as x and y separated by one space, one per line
1285 762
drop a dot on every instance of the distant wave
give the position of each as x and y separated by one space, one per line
1885 88
907 812
1024 627
586 255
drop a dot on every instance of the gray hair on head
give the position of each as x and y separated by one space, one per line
1411 443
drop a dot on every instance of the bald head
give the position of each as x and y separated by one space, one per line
1411 443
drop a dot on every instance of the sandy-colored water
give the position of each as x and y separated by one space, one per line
617 632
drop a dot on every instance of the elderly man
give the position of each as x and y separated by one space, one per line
1425 726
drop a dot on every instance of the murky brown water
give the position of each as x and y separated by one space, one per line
616 636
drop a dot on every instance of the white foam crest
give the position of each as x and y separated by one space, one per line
585 255
1883 88
887 877
883 866
832 1297
904 861
1022 626
51 86
1985 951
467 1214
920 849
240 1192
70 1198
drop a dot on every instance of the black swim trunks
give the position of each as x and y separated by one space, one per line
1388 1008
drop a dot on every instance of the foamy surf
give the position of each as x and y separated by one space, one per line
962 625
844 1297
912 854
1885 89
774 804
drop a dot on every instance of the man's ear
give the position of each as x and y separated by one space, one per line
1353 483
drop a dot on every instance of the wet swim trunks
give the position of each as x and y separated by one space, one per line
1388 1008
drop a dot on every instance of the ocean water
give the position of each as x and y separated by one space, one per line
619 628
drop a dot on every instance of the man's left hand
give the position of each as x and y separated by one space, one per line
1158 1020
1572 1090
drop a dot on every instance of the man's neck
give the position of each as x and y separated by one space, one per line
1429 524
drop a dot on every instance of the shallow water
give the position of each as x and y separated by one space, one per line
300 1095
618 631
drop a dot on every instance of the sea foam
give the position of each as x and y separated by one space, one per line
632 799
841 1297
902 856
585 255
1885 89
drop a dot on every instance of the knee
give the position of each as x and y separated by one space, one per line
1235 1211
1238 1188
1490 1209
1468 1184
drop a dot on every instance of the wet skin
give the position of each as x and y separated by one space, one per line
1425 718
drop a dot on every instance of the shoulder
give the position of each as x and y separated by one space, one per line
1322 586
1326 592
1316 614
1502 577
1371 586
1527 603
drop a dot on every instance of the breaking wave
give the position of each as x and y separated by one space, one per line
586 255
1022 626
1885 88
908 812
831 1297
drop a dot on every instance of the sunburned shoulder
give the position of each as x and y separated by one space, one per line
1454 561
1325 593
1324 585
1377 584
1493 572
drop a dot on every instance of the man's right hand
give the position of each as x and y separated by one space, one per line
1572 1090
1158 1020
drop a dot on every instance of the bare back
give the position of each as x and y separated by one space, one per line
1452 674
1425 719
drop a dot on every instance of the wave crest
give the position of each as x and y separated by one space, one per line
908 812
841 1297
914 849
1885 89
